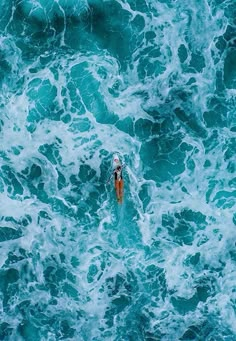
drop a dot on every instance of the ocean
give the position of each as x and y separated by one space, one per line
155 82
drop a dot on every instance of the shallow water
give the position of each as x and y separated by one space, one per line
156 82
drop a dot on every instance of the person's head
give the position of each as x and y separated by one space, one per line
118 168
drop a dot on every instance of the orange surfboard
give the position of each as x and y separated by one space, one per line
118 178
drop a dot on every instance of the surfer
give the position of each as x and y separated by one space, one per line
119 183
118 177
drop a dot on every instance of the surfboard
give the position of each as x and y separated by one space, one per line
118 184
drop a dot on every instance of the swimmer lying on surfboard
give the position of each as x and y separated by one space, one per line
119 183
118 178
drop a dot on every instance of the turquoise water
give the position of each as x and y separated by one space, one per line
156 82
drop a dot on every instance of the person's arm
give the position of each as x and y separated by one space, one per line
111 176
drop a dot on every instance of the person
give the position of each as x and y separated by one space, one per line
118 180
119 183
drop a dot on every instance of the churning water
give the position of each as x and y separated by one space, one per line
155 81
